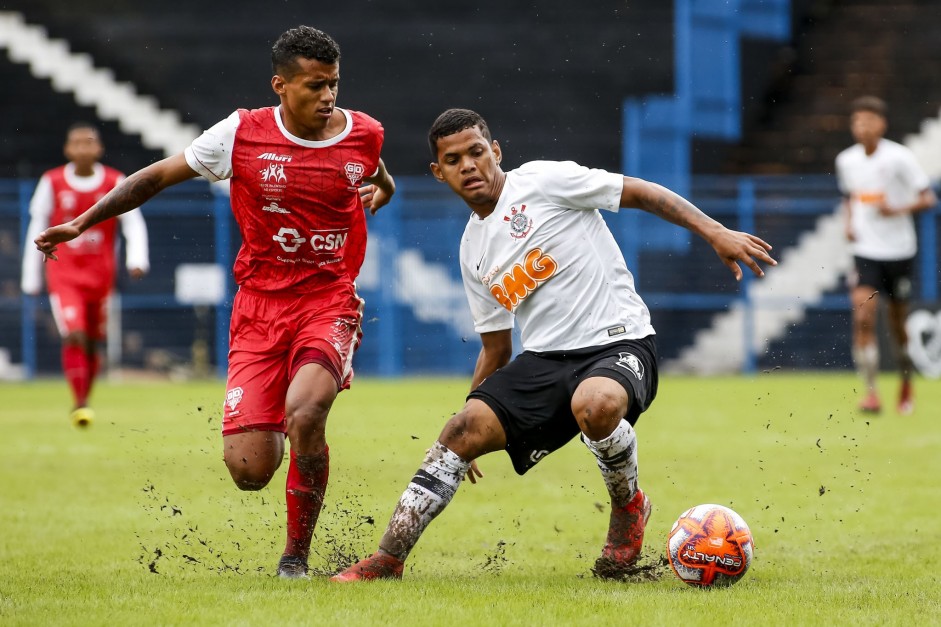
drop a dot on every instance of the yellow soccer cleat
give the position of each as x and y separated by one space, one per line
82 417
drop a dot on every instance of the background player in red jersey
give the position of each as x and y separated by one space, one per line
80 283
296 172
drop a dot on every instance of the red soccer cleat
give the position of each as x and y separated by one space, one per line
906 399
379 565
870 404
625 538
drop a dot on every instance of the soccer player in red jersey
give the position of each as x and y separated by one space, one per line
80 283
297 172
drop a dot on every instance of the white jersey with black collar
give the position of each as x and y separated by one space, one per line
546 257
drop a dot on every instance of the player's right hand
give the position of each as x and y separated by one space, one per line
48 241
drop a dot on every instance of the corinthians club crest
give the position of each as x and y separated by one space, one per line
520 223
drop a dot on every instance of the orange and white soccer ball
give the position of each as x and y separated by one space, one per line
710 546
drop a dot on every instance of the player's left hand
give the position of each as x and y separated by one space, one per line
374 197
136 273
472 471
737 246
48 241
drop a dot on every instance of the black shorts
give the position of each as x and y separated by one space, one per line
532 395
893 278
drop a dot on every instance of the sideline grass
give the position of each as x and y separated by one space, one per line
842 507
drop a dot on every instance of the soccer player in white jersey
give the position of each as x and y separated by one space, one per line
883 187
537 250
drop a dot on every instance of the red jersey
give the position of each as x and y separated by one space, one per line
297 202
86 263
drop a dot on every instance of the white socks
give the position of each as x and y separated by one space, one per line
429 492
617 459
866 359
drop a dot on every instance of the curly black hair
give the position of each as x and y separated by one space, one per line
454 121
305 42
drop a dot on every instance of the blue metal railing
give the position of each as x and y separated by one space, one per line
405 336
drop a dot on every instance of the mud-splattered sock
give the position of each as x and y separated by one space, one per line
304 492
429 492
617 459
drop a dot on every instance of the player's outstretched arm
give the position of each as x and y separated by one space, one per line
132 192
379 191
731 246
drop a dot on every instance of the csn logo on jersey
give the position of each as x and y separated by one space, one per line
326 241
289 239
520 223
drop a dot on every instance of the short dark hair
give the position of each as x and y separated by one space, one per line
305 42
872 104
454 121
74 126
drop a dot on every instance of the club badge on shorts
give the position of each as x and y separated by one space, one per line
629 361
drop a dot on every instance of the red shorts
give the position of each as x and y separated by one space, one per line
271 336
75 311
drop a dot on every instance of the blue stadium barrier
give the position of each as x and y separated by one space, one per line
416 319
706 99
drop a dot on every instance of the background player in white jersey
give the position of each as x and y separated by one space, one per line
537 249
296 173
882 186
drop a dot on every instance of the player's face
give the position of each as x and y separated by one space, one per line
83 147
309 96
867 127
470 165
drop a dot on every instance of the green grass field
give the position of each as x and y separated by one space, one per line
135 520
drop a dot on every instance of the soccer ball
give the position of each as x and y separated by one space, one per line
710 546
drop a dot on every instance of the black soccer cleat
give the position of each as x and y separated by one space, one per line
292 567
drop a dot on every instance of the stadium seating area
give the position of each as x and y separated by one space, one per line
541 78
844 49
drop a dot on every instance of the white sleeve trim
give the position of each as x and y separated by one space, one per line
134 230
40 209
210 154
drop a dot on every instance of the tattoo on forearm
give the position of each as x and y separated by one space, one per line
675 209
131 193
